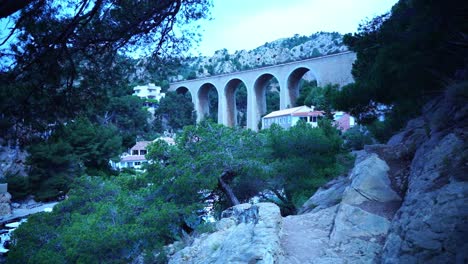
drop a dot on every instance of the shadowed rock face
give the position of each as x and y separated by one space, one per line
404 202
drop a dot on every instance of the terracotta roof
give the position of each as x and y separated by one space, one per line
288 111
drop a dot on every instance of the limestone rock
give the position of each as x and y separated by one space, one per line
5 197
305 238
326 196
5 208
431 226
338 234
254 238
370 183
12 161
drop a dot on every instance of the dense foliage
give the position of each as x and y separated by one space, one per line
357 137
405 58
319 97
104 221
174 111
303 159
76 148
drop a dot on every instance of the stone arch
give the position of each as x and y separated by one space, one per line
203 107
182 90
260 95
293 81
230 91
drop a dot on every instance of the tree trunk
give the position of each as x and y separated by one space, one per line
227 189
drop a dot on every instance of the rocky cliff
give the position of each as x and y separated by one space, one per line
403 202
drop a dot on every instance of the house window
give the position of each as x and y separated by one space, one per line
137 163
135 152
143 152
303 118
314 119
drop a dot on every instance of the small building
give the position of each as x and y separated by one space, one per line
343 121
134 158
150 91
287 118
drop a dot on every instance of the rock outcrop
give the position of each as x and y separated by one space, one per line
12 160
5 208
247 234
403 202
351 230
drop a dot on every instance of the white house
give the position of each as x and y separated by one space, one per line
149 91
135 157
287 118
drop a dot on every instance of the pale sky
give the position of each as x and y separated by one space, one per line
247 24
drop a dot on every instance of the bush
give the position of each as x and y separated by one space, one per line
18 186
355 138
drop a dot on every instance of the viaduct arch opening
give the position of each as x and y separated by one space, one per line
296 80
207 102
182 90
236 100
266 85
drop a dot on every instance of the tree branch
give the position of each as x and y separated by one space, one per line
227 189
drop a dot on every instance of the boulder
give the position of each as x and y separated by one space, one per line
370 182
5 208
326 196
250 234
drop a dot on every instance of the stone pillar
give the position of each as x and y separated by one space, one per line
285 99
222 106
252 122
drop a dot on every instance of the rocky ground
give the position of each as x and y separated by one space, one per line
25 209
403 202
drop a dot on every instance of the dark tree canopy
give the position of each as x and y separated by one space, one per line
62 58
406 57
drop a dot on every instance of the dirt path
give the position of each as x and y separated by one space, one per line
305 237
23 212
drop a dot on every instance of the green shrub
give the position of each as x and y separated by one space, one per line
18 186
356 137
